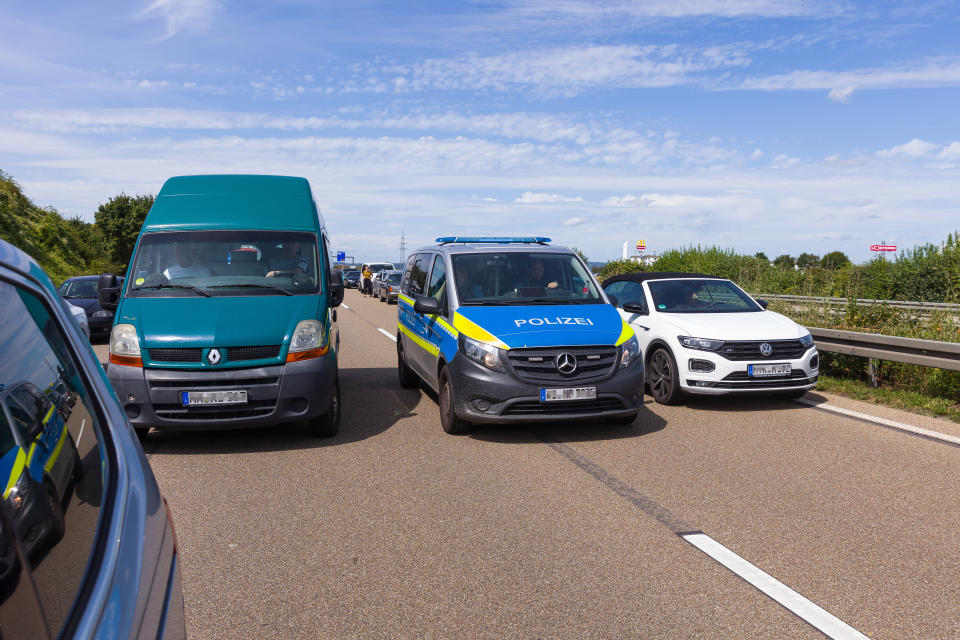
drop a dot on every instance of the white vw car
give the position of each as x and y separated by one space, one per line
705 335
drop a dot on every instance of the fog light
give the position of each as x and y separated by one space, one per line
299 405
701 366
699 383
133 410
815 361
480 404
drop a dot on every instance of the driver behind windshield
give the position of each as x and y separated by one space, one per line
287 263
186 266
534 277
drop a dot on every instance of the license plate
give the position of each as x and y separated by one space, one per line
205 398
766 370
575 393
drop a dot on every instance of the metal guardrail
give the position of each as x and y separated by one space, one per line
899 304
927 353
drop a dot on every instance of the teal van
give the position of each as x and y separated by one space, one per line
227 317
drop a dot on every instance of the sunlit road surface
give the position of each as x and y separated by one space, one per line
722 518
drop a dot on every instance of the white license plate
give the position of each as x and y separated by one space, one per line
204 398
575 393
765 370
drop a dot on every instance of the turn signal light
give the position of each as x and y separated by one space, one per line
296 356
127 361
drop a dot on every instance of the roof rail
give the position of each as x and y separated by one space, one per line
492 240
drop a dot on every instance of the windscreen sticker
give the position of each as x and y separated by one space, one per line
661 306
138 281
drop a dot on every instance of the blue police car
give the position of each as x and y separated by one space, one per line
514 330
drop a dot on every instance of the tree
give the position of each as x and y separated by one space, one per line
582 255
807 260
119 220
760 255
834 260
784 262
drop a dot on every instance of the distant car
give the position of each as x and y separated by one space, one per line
82 292
389 288
87 547
376 280
80 316
351 278
704 335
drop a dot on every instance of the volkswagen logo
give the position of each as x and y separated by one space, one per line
766 349
566 363
214 356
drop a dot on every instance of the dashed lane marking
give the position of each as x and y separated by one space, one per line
884 422
387 333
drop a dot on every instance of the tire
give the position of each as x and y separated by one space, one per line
58 525
327 425
621 420
448 416
408 377
663 378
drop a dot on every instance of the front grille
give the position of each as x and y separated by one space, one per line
220 384
164 354
532 407
249 410
537 365
235 354
740 380
750 350
165 387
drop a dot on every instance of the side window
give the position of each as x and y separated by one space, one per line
325 256
53 497
418 274
438 283
626 291
407 272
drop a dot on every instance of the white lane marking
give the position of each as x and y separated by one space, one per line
889 423
387 333
344 306
819 618
76 445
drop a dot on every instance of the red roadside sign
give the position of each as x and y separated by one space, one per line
883 247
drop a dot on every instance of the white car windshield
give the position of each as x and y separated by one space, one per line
700 296
518 277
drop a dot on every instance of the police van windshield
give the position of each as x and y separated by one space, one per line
225 263
522 278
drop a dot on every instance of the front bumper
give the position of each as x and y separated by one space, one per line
730 376
508 399
288 392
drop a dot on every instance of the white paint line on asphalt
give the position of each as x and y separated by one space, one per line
387 333
822 620
344 306
936 435
83 423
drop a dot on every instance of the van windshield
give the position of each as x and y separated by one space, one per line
225 263
518 277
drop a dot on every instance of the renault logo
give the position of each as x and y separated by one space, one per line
214 356
566 363
766 349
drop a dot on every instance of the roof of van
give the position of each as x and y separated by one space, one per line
234 202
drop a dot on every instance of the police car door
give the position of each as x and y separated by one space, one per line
415 344
435 333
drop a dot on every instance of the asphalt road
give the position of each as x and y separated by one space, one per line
394 529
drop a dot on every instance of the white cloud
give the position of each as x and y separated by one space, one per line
756 155
619 9
626 201
951 151
545 198
193 15
841 95
916 148
932 72
573 222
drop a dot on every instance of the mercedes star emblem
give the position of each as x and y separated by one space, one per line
566 363
766 349
214 356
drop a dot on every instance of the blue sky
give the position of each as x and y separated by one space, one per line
780 126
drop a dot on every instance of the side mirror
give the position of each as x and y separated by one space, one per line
108 292
336 288
34 430
427 306
613 300
635 307
762 303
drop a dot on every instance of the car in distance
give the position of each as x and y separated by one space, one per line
511 330
704 335
82 292
80 316
87 546
390 285
351 278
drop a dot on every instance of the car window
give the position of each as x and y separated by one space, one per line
438 283
418 274
700 296
60 487
626 291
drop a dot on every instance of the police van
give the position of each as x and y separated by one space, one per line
514 330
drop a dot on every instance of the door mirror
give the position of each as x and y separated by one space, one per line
427 306
108 292
613 300
336 288
635 307
762 303
34 430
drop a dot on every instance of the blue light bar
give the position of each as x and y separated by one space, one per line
493 240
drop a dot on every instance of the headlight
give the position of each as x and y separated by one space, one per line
630 353
309 334
18 493
124 341
481 353
704 344
807 341
103 313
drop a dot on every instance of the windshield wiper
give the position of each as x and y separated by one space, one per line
175 286
280 290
